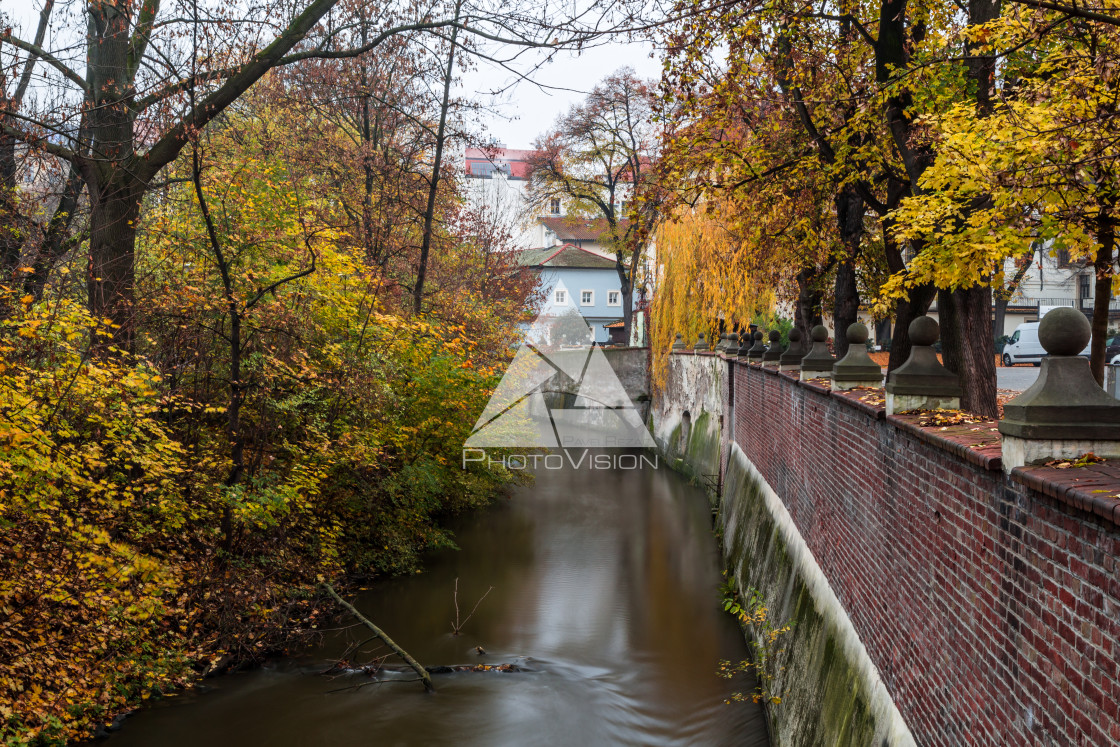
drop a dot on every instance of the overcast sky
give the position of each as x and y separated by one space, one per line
528 110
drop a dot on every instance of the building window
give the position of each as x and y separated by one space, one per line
614 298
587 298
622 208
1085 292
1063 258
554 205
560 297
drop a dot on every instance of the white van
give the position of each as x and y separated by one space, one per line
1024 346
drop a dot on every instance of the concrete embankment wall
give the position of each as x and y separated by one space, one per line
933 598
630 365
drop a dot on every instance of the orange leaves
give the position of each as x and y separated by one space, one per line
1084 460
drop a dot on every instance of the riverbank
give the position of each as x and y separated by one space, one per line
603 589
144 547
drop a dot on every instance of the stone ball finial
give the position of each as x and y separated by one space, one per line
924 330
794 334
775 335
820 333
1064 331
758 334
857 333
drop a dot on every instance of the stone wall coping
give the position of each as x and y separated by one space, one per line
1094 488
818 388
851 397
960 440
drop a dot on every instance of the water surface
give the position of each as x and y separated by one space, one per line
605 584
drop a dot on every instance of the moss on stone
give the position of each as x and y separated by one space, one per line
824 700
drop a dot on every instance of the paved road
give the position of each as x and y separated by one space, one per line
1017 378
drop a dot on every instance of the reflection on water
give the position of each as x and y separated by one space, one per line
605 584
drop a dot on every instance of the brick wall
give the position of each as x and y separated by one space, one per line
989 604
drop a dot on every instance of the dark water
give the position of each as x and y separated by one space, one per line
605 583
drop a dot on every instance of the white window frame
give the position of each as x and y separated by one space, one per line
590 302
560 297
554 206
618 298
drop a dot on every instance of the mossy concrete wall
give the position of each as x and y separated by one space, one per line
630 365
688 416
830 690
984 604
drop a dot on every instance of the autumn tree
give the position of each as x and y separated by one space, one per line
598 161
795 88
124 103
857 82
1035 165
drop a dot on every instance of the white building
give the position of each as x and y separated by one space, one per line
1053 279
495 185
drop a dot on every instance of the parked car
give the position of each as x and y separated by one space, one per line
1112 348
1024 346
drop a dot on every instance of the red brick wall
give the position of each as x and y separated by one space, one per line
991 610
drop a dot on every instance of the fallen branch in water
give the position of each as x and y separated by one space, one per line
457 626
372 672
415 665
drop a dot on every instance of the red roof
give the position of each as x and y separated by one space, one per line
511 161
580 229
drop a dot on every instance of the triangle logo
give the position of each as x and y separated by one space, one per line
559 391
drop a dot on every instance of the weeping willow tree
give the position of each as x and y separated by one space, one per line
710 276
728 260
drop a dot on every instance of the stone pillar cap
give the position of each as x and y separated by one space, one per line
922 374
745 338
774 352
857 364
701 343
818 359
678 342
1065 402
757 350
795 352
732 348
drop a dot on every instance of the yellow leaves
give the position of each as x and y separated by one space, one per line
712 269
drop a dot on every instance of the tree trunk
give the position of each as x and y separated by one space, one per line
849 216
1106 237
968 339
408 659
810 299
433 185
114 212
966 346
626 289
999 316
11 239
1003 295
846 309
58 239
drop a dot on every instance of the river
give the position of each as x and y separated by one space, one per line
605 585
